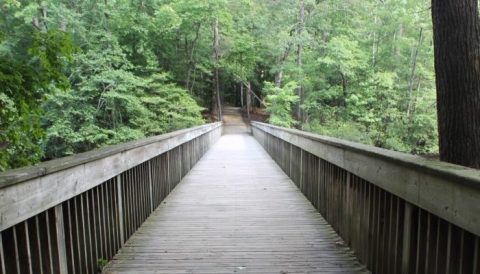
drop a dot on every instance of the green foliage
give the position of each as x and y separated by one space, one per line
26 78
74 80
111 105
280 102
78 75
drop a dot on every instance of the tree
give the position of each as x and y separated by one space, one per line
456 27
279 101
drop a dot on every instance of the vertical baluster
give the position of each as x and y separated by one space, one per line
462 246
431 244
120 210
390 239
101 239
69 242
290 161
370 222
349 199
126 208
138 195
103 221
449 249
84 236
476 253
423 240
38 249
150 184
51 245
108 222
385 230
61 247
94 224
116 225
146 191
407 233
2 256
76 236
15 245
130 203
88 229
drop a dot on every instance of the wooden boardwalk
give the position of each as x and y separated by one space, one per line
235 212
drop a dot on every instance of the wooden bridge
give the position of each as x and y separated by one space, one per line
255 199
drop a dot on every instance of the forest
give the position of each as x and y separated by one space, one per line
79 75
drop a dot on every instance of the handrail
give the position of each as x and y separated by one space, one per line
79 173
400 213
69 214
429 184
19 175
461 174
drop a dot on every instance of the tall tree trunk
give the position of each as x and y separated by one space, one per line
216 92
249 99
344 89
192 61
279 78
375 42
456 29
301 26
412 74
241 94
397 40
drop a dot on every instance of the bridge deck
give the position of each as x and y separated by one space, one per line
235 212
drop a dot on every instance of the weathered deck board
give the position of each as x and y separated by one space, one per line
235 212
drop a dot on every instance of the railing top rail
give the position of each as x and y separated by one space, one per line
15 176
460 174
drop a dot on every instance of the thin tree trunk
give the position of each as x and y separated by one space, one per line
412 74
241 94
397 40
301 26
344 89
456 29
216 45
279 78
279 74
192 62
375 43
249 99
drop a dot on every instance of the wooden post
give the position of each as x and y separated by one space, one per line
120 209
407 233
60 231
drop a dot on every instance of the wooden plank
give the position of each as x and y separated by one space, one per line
235 211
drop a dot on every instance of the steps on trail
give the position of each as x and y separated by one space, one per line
233 121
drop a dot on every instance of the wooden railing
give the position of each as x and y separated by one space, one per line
73 214
399 213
